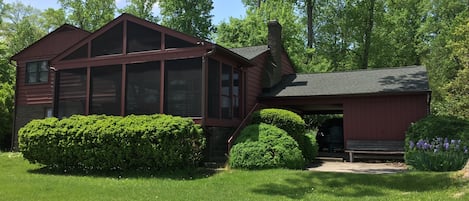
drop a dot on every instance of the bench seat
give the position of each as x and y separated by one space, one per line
379 147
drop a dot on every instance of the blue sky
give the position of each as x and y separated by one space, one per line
223 9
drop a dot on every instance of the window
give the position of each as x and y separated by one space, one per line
236 93
80 53
71 92
213 88
37 72
226 87
140 38
110 42
172 42
183 87
143 88
106 90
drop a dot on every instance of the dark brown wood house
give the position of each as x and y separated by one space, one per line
132 66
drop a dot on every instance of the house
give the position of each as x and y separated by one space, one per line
132 66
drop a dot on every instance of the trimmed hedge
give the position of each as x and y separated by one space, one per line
433 126
113 142
437 143
293 124
284 119
262 146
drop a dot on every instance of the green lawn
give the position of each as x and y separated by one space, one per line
20 180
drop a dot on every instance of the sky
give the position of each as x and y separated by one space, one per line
222 11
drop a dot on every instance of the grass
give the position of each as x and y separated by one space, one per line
20 180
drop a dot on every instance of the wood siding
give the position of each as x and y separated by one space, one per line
45 49
366 117
254 80
382 117
287 66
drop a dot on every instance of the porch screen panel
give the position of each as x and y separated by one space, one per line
110 42
183 87
236 93
226 104
173 42
140 38
213 88
106 90
143 88
71 92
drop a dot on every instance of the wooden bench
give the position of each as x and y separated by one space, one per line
374 147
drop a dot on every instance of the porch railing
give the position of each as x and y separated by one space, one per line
241 126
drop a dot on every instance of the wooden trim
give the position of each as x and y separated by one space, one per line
204 107
124 37
88 90
162 79
117 59
123 89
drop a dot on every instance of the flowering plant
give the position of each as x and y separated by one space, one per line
438 154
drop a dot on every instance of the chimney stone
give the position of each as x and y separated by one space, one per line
274 41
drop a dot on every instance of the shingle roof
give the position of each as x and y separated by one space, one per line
403 79
250 52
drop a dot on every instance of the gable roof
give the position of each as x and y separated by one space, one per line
132 18
53 49
251 52
376 81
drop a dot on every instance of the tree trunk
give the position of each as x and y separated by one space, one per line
310 13
367 34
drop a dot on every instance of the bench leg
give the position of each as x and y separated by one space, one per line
350 155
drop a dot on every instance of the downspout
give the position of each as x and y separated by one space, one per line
54 91
14 136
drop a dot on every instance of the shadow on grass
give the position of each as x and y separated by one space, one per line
179 174
354 185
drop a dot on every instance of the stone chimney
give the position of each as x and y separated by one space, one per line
274 67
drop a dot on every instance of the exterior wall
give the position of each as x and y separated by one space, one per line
254 76
31 94
382 117
26 113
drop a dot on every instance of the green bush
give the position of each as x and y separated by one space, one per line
436 155
293 124
112 142
284 119
261 146
433 126
310 146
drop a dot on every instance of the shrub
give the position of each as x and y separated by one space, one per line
261 146
433 126
113 142
284 119
310 146
292 123
437 155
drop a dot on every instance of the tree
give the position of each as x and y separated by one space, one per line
190 17
252 30
89 15
142 9
52 19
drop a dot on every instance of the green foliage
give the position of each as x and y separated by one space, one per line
142 9
284 119
112 142
261 146
437 155
252 30
190 17
310 147
6 114
434 126
89 15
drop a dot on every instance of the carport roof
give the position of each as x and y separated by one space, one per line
389 80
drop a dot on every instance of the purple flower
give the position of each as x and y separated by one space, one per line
453 141
446 145
446 140
411 144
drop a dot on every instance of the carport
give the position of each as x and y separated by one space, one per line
376 104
